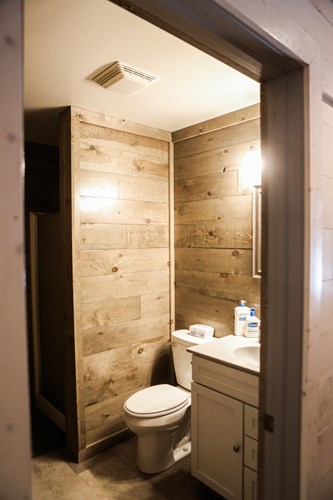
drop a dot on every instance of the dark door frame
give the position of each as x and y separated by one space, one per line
285 107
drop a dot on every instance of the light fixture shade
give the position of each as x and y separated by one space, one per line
252 165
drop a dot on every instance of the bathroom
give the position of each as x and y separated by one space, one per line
204 245
297 97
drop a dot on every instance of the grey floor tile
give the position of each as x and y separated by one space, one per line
113 475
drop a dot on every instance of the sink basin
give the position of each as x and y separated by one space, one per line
248 353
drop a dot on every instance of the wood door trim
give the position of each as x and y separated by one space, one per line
211 28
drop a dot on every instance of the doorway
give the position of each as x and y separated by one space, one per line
280 90
282 114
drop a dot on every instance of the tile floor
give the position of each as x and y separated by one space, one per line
112 476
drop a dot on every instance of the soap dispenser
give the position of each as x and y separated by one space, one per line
252 325
241 313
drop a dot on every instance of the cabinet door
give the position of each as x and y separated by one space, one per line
217 441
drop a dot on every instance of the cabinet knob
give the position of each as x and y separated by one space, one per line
236 448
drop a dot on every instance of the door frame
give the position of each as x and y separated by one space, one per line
291 238
15 471
303 50
42 402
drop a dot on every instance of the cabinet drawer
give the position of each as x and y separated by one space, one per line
250 484
250 452
236 383
251 421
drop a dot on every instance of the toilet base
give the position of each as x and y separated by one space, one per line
162 451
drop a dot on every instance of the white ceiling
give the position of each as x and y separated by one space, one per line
67 40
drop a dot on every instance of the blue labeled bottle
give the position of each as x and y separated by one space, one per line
252 325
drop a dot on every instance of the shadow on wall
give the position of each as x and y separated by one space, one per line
161 367
35 129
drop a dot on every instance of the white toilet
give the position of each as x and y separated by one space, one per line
161 414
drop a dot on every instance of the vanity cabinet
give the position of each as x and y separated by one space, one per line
225 428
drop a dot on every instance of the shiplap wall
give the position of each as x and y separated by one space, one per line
116 210
324 368
213 220
116 182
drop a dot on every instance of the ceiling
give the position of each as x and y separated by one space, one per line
68 40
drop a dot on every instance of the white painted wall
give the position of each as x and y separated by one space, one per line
305 29
15 481
322 397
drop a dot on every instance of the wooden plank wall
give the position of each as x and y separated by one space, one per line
119 188
213 220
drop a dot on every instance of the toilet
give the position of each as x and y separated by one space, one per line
160 415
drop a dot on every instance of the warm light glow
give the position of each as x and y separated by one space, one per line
252 167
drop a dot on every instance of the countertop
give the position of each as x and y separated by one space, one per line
236 351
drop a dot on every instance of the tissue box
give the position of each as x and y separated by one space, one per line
202 331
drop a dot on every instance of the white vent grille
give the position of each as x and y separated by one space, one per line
123 78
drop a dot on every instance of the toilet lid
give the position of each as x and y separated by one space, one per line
157 400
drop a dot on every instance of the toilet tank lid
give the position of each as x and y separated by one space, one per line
184 337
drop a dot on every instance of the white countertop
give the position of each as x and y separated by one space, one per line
237 351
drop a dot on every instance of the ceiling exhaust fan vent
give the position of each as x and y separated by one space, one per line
123 78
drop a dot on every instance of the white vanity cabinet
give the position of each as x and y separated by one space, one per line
224 428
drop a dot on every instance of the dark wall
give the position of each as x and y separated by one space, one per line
41 193
41 178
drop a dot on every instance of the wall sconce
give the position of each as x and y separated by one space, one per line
252 166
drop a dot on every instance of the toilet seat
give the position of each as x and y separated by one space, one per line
156 401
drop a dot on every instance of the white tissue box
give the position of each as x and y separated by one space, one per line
202 331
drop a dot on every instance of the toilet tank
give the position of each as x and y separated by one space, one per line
182 359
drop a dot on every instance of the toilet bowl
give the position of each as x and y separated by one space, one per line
160 415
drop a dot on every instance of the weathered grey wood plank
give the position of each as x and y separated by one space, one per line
147 236
98 184
236 134
102 236
104 159
207 310
206 187
99 262
231 233
214 260
104 120
225 159
125 141
221 285
105 211
213 210
124 334
98 314
154 304
116 371
109 236
134 188
117 285
105 418
227 120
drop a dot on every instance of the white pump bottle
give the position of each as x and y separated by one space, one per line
241 313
